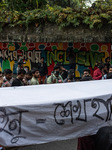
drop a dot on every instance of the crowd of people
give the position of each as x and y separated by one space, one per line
39 75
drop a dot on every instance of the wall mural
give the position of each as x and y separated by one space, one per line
78 56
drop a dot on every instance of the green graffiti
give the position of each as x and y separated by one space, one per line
82 57
24 47
54 48
93 58
57 56
94 47
5 65
52 57
89 58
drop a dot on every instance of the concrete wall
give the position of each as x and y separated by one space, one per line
52 33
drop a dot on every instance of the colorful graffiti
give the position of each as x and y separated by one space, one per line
73 55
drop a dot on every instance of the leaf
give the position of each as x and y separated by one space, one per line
104 15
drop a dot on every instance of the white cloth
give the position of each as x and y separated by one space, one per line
44 113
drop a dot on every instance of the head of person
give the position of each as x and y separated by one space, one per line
103 68
21 74
71 74
86 72
42 60
35 73
107 60
8 74
110 69
109 75
56 70
28 75
26 68
21 63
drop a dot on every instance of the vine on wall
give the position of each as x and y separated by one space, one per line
93 17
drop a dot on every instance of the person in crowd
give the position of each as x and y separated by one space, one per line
7 78
42 66
107 63
100 71
35 77
18 81
26 68
1 79
63 71
110 69
86 72
27 78
109 75
70 77
103 138
20 64
55 77
86 76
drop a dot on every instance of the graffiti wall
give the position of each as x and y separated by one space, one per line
78 56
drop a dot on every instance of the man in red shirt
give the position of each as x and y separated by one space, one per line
99 72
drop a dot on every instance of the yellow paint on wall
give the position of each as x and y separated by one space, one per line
28 64
11 64
104 49
77 74
60 46
11 48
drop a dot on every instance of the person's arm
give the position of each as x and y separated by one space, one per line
1 82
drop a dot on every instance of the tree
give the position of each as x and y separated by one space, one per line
24 5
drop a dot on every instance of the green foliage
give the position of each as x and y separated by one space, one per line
23 5
39 12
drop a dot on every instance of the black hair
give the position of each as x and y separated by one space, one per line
21 71
7 71
0 72
87 70
42 57
26 67
34 70
29 73
107 59
56 67
109 75
101 66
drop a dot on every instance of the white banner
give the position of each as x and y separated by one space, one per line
44 113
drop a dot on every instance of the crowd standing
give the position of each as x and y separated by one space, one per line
39 75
